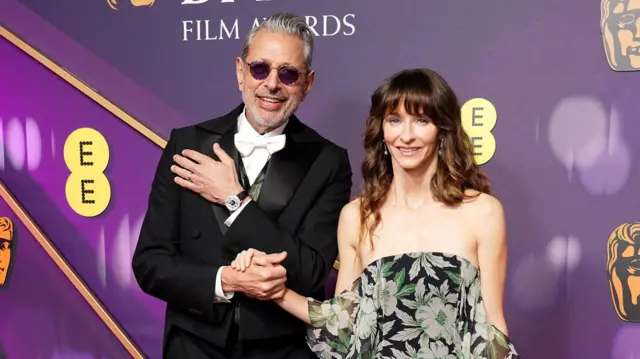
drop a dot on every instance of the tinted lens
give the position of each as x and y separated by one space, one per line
288 75
260 71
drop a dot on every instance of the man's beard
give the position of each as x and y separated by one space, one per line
275 121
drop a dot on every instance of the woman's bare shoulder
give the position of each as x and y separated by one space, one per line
349 224
486 214
483 204
351 210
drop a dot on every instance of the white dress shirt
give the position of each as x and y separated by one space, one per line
253 164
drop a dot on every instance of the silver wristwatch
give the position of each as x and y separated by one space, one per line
233 202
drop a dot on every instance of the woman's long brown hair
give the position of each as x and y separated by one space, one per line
423 93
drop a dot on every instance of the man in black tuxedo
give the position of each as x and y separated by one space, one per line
254 178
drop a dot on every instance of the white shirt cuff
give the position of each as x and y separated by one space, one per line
221 297
235 214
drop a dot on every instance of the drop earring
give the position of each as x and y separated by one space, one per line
440 149
384 145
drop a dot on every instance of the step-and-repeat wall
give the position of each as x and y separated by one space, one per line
561 76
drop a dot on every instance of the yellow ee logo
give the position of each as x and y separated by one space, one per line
86 154
478 119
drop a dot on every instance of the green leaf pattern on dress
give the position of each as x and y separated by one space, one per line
423 305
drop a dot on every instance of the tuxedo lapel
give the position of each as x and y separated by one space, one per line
226 142
285 171
287 168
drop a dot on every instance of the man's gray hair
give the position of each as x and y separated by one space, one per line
285 23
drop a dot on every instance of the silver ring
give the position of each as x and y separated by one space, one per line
189 178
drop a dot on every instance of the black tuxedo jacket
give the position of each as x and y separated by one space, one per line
183 240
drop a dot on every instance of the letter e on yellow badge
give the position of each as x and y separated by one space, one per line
479 117
86 154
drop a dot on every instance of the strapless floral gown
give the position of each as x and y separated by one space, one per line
412 305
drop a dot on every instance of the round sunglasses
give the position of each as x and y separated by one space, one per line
260 70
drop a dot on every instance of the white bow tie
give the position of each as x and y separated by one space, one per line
246 144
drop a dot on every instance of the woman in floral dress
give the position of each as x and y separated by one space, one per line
423 248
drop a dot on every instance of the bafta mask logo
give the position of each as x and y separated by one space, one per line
114 3
620 25
623 267
6 242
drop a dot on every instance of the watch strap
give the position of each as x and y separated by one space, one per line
242 195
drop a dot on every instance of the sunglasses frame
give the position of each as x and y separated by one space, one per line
277 68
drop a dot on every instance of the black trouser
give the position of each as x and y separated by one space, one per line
184 345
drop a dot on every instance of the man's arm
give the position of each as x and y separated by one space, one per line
312 251
157 263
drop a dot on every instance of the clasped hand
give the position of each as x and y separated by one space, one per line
267 275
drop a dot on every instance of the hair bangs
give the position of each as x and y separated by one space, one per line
413 91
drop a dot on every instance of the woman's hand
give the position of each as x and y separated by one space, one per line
243 259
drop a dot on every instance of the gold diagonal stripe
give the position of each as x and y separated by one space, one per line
75 279
83 87
90 92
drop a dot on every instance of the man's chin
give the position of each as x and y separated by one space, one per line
270 119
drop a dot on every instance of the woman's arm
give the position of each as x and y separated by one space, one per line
297 304
348 224
492 257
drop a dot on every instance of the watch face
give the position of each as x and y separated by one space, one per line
232 203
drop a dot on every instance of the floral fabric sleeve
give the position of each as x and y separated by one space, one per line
488 343
480 338
332 325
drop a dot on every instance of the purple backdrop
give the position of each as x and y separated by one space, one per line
566 166
39 112
43 316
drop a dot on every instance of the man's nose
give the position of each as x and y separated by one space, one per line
272 82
